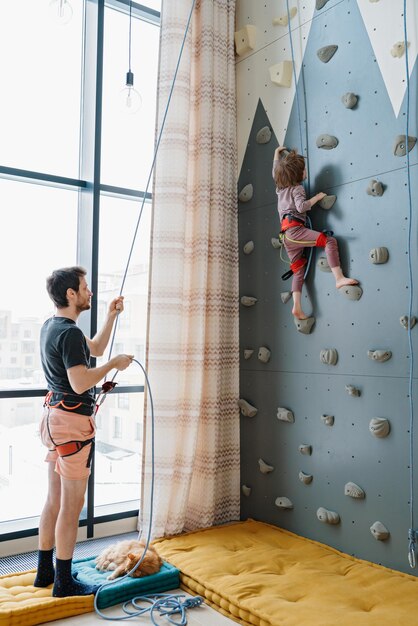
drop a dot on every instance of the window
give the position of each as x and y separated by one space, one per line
117 427
49 165
123 401
42 106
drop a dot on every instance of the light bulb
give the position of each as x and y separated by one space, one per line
60 11
130 98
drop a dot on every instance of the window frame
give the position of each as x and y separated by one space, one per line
89 188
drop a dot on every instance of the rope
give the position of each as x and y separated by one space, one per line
308 219
157 145
412 535
167 605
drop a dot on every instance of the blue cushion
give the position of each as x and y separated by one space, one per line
119 590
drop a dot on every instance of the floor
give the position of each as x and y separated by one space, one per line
200 616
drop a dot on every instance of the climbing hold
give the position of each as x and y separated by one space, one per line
246 193
373 0
404 320
349 100
283 503
323 264
326 53
354 491
327 517
379 427
285 296
248 247
304 326
284 19
398 49
352 292
375 188
400 147
328 420
353 391
246 490
264 354
379 531
379 355
264 467
248 354
305 449
281 73
263 135
276 243
246 408
305 478
319 4
327 202
285 415
329 356
327 142
248 300
379 255
245 39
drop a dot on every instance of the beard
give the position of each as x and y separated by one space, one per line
83 306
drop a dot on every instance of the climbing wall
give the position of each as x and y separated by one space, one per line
334 463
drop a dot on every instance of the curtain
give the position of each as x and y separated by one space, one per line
193 352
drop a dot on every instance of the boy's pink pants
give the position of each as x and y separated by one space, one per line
297 238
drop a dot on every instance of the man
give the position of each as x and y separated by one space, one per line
67 419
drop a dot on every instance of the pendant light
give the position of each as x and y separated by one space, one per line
61 11
131 100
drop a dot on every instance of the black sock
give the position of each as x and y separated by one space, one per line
45 574
65 583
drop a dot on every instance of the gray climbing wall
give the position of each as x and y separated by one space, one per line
294 377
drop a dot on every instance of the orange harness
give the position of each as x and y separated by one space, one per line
72 447
69 447
290 223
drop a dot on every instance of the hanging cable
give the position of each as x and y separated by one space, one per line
412 534
157 145
308 219
167 605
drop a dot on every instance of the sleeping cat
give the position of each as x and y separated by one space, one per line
121 557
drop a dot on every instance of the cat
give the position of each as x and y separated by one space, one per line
120 558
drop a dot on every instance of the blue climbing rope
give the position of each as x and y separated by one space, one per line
157 145
412 533
167 605
302 150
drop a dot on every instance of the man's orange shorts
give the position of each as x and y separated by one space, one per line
67 426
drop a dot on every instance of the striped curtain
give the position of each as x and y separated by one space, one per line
193 355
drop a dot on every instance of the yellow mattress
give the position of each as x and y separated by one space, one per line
22 604
259 574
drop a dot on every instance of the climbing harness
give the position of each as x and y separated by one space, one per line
295 267
290 221
68 448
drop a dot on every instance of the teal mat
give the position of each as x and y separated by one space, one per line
123 590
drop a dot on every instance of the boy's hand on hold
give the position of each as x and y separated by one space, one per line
320 196
122 361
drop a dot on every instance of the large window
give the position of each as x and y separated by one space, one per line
74 165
